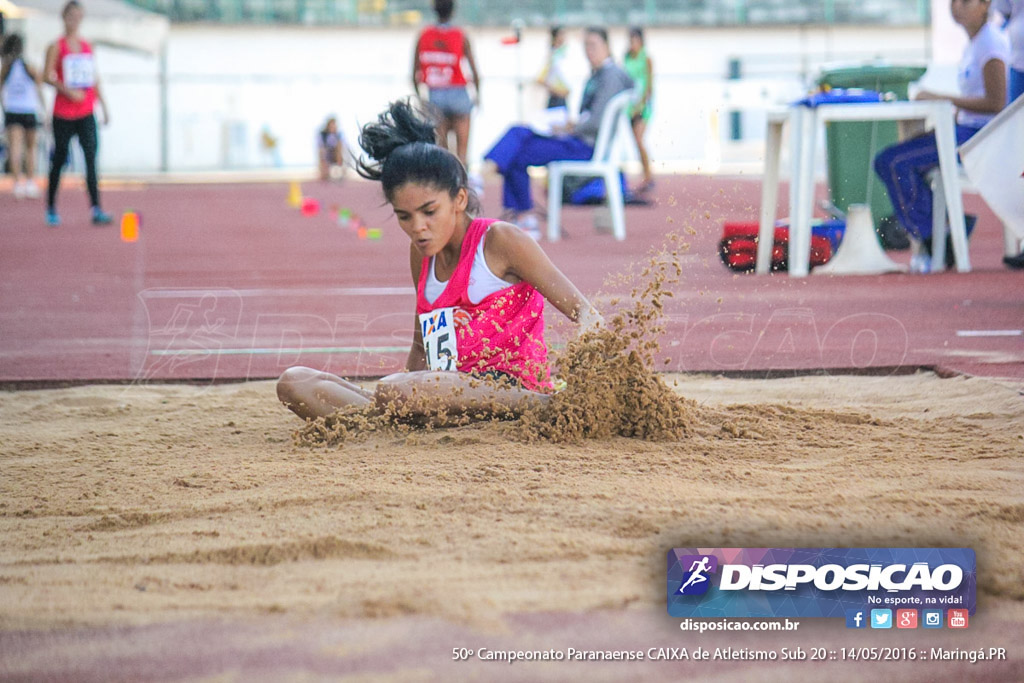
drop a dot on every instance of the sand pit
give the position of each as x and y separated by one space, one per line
146 504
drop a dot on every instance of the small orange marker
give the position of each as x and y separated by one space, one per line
129 226
361 233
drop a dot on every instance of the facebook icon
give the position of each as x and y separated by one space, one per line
856 618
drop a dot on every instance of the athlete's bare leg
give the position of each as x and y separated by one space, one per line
639 127
460 124
443 128
30 155
16 144
310 393
424 393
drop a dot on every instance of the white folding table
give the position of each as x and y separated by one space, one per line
803 121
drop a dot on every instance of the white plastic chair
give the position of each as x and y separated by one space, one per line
603 164
992 159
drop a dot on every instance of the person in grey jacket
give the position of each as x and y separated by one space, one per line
521 147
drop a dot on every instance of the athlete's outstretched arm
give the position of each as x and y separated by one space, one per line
518 257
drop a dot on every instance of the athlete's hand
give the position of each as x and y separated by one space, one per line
589 320
76 95
563 130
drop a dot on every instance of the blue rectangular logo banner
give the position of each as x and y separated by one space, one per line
850 583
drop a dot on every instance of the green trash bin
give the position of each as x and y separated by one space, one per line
852 145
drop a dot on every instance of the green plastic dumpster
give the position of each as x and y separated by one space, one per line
852 145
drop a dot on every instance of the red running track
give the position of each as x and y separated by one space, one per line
227 282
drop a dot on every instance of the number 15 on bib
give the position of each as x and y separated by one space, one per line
439 340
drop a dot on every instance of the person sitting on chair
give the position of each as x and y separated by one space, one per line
521 147
903 167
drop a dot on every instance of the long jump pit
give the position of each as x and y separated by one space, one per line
182 532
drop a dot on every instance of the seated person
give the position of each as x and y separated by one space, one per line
521 147
330 149
982 80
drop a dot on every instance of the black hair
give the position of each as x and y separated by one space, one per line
599 31
13 46
71 4
637 32
555 30
402 148
444 9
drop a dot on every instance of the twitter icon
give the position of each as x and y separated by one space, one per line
881 618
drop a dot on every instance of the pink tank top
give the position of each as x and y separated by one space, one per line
75 70
504 332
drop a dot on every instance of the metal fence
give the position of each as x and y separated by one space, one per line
544 12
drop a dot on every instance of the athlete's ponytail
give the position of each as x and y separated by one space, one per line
402 148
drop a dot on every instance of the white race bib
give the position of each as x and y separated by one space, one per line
439 341
439 76
79 70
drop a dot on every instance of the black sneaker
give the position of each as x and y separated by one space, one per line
892 235
1015 262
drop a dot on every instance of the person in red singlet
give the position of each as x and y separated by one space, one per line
71 69
480 284
437 64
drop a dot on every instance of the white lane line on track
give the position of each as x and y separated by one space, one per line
158 293
271 351
989 333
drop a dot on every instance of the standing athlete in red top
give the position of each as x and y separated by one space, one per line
71 69
437 64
